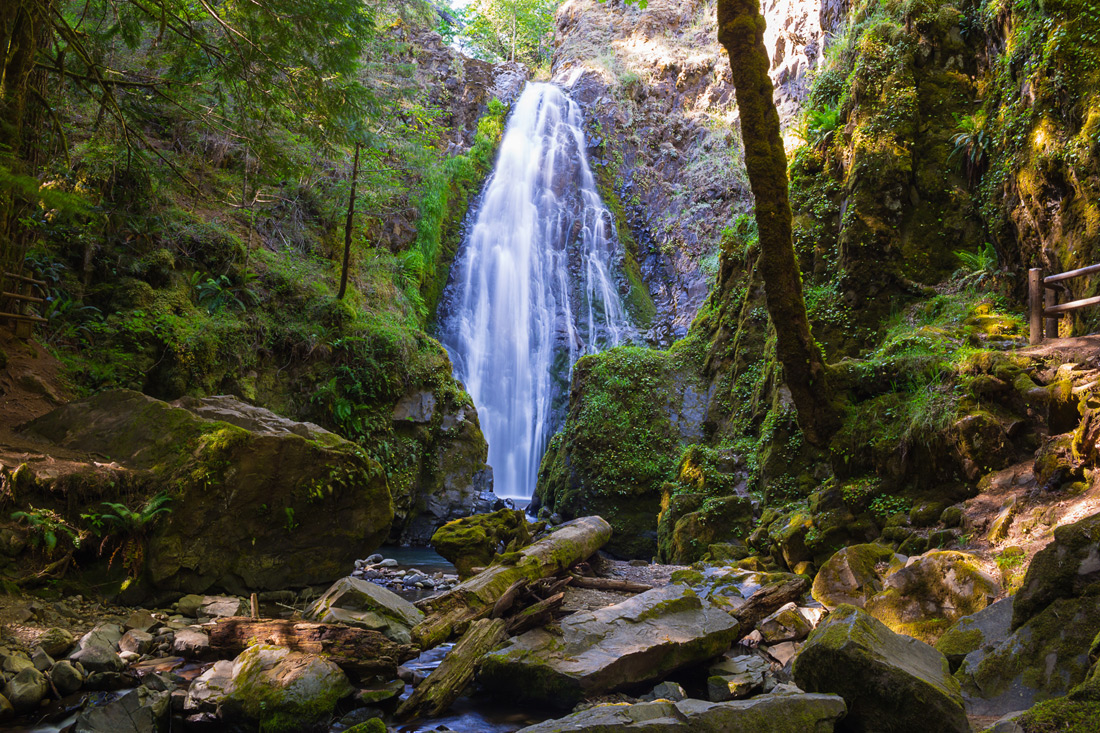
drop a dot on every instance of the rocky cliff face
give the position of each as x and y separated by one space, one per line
656 88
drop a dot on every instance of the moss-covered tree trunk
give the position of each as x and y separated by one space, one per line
741 31
19 33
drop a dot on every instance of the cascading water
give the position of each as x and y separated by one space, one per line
533 285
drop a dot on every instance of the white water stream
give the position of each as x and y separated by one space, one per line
534 285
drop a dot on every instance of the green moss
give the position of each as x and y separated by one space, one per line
473 541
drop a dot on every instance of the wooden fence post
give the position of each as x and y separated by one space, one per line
1035 305
1050 299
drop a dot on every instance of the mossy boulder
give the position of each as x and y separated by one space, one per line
631 411
891 683
1043 659
932 591
794 713
281 690
474 541
357 602
852 575
1065 568
638 641
972 637
269 508
1057 462
693 522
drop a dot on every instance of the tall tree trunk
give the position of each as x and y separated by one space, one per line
19 35
347 226
741 31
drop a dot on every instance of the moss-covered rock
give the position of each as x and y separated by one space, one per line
931 592
261 509
852 575
281 690
891 683
1063 569
1043 659
972 637
474 541
692 523
631 410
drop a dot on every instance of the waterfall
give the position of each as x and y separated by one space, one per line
533 287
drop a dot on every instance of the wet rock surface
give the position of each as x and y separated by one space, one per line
633 642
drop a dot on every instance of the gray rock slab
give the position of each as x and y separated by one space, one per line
792 713
638 641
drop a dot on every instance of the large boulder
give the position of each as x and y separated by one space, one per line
283 690
1043 659
364 604
475 540
265 508
852 576
1062 569
892 683
796 713
26 689
931 592
640 640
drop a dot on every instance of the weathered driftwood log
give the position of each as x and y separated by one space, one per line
435 694
623 586
508 599
360 651
451 612
769 599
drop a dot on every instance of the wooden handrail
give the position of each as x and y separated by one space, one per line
1079 272
22 278
19 296
1043 305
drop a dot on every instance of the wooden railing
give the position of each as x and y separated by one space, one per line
1043 296
17 296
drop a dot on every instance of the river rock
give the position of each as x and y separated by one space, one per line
1062 569
851 575
41 660
136 641
791 713
6 710
892 683
364 604
140 711
66 677
209 688
252 510
15 662
26 689
271 683
56 642
97 659
786 624
640 640
191 642
223 607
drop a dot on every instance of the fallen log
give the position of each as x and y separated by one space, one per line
622 586
435 694
474 598
508 599
538 614
359 651
768 600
